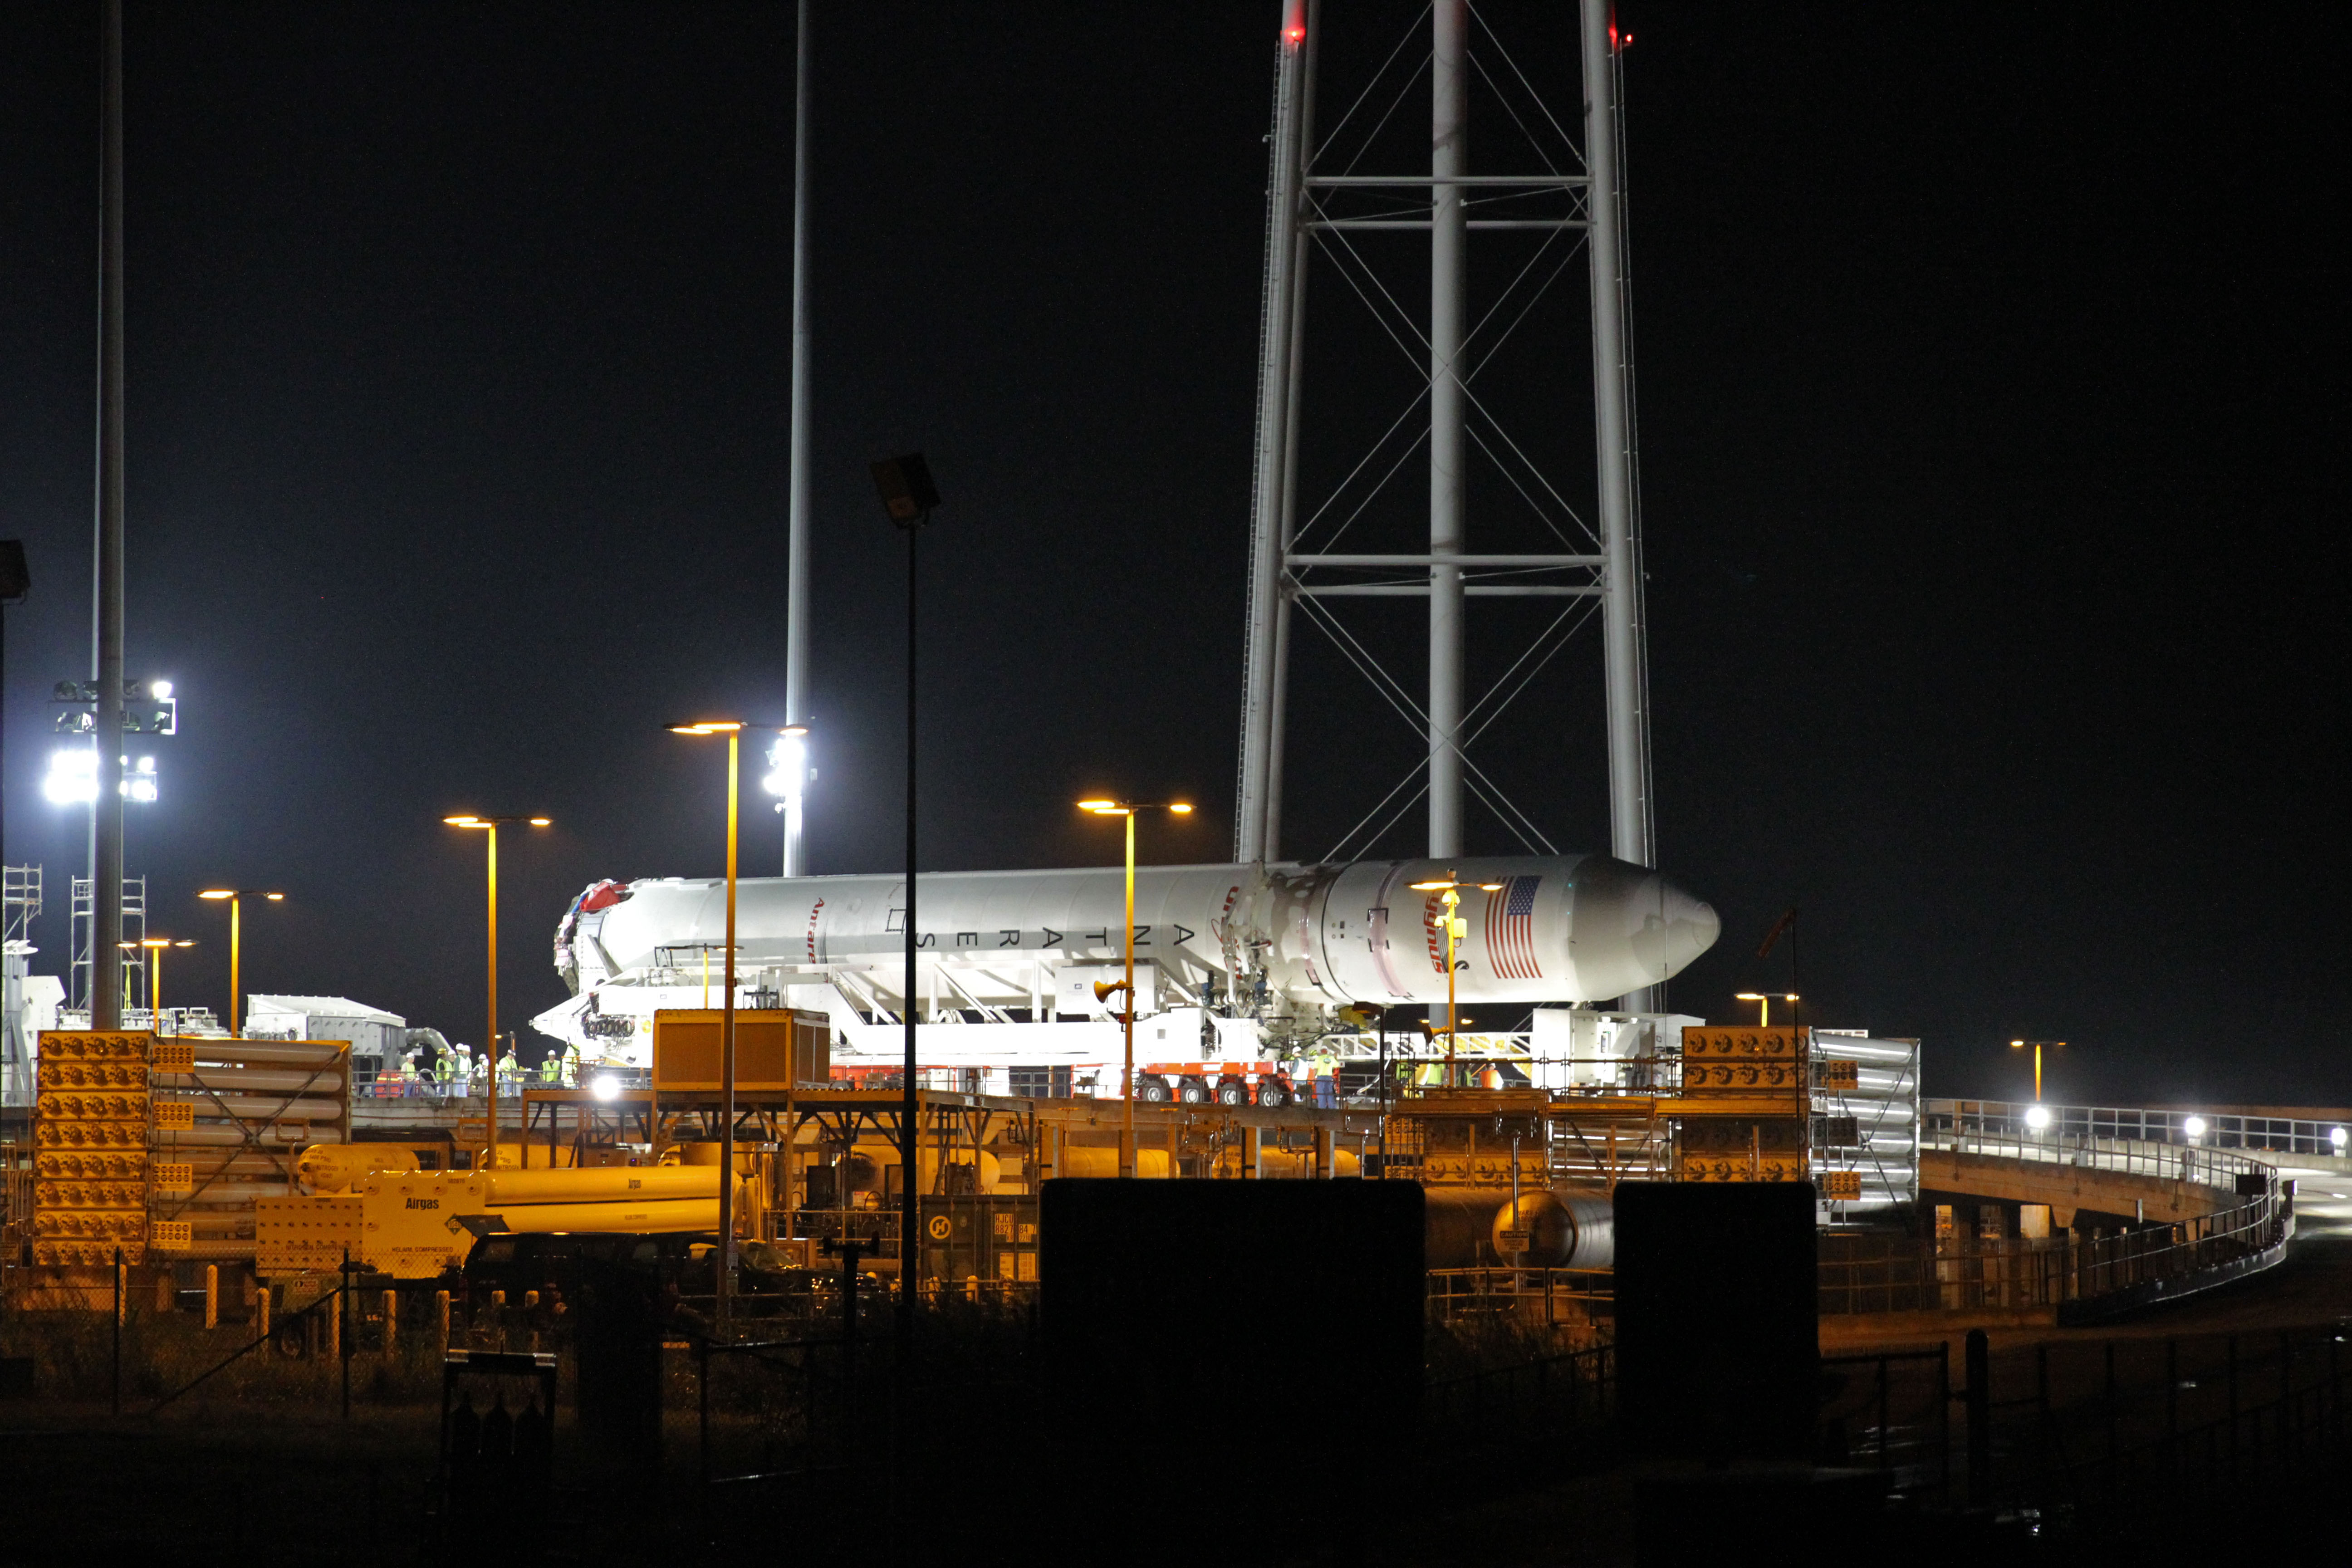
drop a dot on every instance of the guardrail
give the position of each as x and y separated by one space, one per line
2199 1129
2072 1135
1552 1298
2081 1278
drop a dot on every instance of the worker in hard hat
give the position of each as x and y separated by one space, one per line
465 1073
445 1067
408 1076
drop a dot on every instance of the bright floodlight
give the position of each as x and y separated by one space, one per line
542 821
162 688
1181 808
2194 1127
2038 1118
218 893
788 765
605 1085
72 778
2336 1137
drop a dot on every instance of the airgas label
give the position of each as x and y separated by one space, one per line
425 1203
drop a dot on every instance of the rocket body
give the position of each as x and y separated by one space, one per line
1552 929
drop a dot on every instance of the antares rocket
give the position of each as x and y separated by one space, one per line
1240 941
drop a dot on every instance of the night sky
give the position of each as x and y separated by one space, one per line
1991 407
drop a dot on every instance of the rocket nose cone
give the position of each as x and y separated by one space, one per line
1691 928
1671 928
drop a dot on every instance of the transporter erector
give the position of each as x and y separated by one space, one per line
1234 963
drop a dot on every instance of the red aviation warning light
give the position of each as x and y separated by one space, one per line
1294 24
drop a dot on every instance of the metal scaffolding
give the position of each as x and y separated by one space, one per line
1318 204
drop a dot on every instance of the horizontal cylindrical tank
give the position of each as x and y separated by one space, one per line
1080 1161
658 1216
1573 1228
604 1183
1564 1228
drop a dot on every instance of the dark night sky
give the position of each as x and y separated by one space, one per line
1993 414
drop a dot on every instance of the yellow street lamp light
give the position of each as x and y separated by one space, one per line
155 946
488 826
1764 1000
1457 928
733 730
1104 990
2039 1046
236 897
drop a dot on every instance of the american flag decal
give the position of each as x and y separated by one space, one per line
1510 930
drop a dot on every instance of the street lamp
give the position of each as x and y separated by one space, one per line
1764 1000
1130 810
1457 928
155 946
909 496
489 829
236 897
733 730
2039 1046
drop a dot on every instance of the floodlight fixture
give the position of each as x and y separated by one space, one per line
2194 1127
2038 1118
905 486
605 1087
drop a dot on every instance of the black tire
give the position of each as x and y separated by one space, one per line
1273 1096
1152 1090
1192 1091
1233 1093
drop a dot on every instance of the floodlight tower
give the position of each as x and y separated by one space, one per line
1308 207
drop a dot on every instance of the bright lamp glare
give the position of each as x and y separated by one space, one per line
2038 1118
73 777
787 767
162 688
2194 1127
2336 1137
605 1085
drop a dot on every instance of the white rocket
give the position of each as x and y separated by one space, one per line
1240 940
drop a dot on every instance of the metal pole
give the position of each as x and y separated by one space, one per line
727 1053
1275 347
796 549
491 1157
1980 1400
118 1330
1448 157
1623 622
106 811
907 1112
1278 700
236 947
1127 1019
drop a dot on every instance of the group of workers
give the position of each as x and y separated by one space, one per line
455 1073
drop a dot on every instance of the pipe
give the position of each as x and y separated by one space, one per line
1449 158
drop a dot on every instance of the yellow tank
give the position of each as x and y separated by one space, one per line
603 1183
1083 1161
633 1217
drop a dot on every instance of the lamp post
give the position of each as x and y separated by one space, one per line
733 730
1764 1000
155 946
1130 810
236 897
2039 1045
908 494
489 829
1457 928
